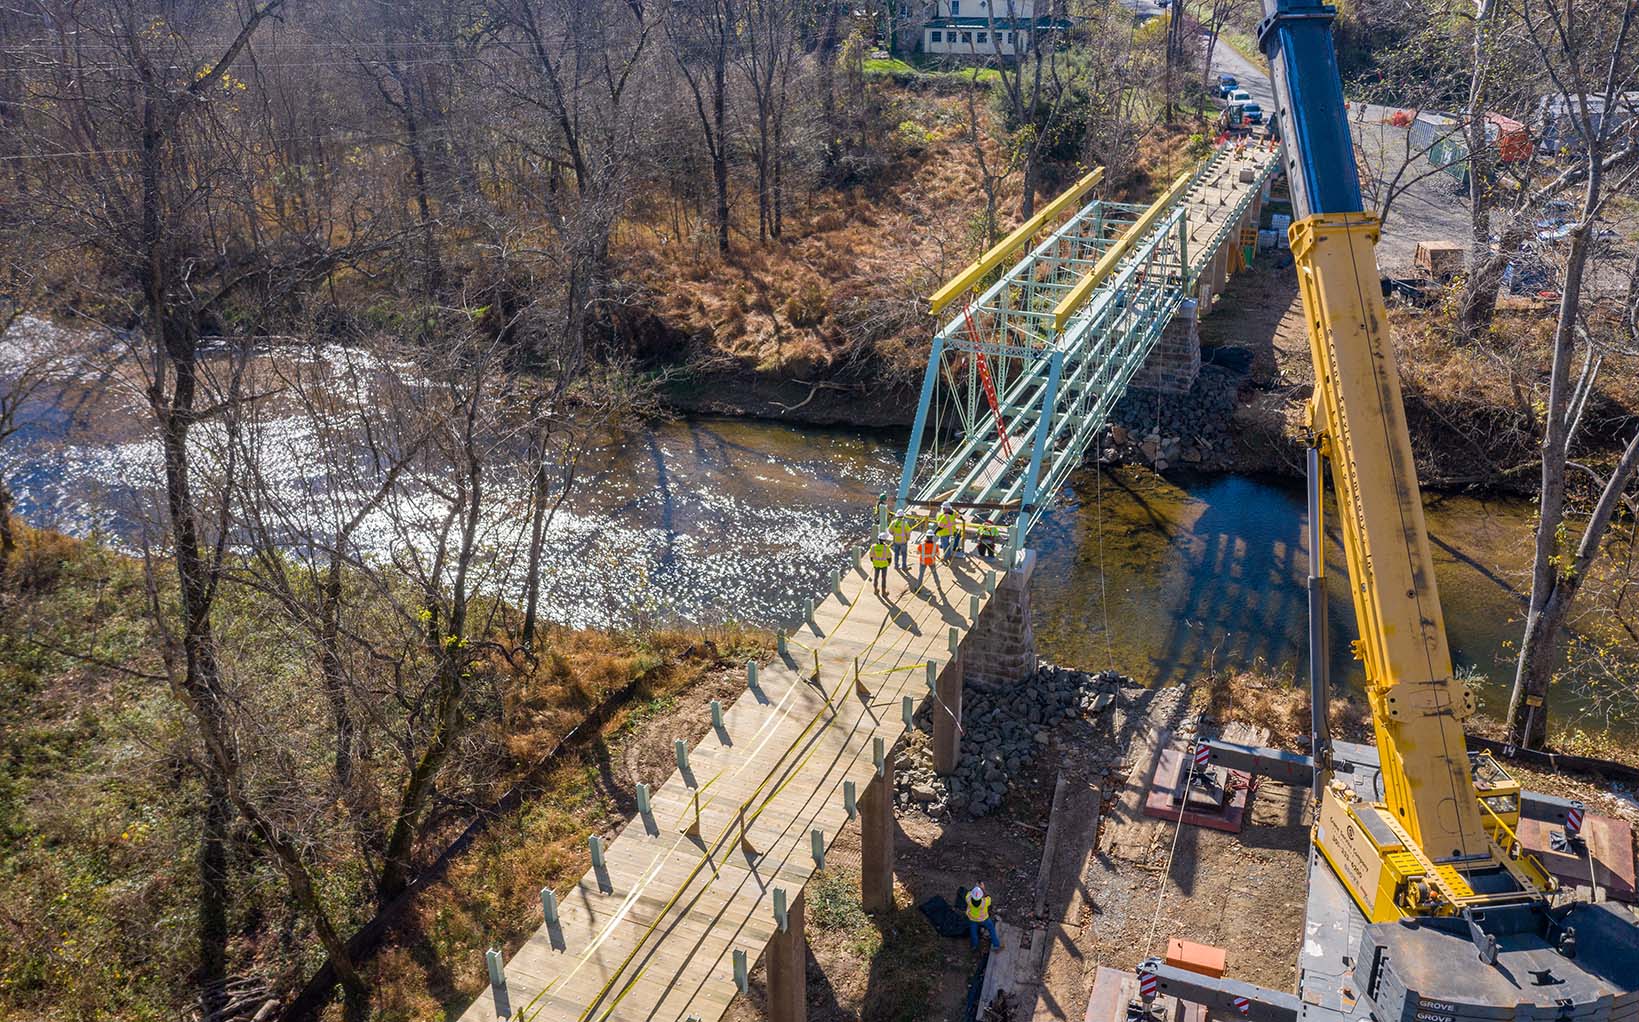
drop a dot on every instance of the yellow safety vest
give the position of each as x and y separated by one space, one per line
946 523
978 911
987 530
881 555
900 530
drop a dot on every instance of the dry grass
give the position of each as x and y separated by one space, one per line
1275 704
775 306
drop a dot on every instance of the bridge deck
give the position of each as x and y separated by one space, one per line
1217 198
651 935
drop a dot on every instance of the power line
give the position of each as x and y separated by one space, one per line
256 65
439 133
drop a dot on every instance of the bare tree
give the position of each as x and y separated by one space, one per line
153 172
703 35
1037 88
587 80
1589 53
766 59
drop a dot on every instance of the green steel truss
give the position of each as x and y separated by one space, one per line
1055 389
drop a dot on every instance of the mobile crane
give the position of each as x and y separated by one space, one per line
1423 906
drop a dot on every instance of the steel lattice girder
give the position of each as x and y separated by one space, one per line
1055 390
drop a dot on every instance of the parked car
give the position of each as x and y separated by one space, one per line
1238 117
1227 84
1238 96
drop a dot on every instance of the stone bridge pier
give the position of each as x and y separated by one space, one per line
1175 362
999 650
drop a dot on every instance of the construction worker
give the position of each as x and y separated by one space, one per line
945 523
978 914
927 555
900 531
881 558
986 545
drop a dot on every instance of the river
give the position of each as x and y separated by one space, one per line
701 520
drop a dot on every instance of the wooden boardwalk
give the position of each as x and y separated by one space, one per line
651 935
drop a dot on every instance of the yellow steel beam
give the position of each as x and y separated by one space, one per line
1417 706
1010 244
1107 263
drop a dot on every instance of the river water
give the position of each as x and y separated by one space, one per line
1160 579
703 520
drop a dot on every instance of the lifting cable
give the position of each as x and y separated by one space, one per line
1178 828
1103 588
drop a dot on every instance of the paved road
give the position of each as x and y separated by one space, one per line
1426 206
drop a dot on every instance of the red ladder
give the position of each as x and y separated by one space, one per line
984 378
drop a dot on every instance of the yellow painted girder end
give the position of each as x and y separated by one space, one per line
977 269
1111 258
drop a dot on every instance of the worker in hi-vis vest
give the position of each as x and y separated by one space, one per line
881 558
945 523
986 545
978 914
900 531
927 556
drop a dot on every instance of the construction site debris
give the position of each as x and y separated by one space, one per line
1002 734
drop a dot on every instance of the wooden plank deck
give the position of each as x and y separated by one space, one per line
651 936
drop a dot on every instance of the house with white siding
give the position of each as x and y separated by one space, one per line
986 29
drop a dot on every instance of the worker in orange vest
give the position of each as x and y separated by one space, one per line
927 556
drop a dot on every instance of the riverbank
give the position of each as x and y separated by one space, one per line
693 522
102 808
1471 411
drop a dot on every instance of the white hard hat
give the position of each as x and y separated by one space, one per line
882 535
977 894
945 506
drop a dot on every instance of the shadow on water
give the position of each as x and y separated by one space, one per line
702 520
1168 581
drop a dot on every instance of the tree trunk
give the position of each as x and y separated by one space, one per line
537 541
1032 171
212 919
763 212
395 860
448 645
1540 654
1479 298
8 541
1477 305
330 666
779 174
827 58
1551 578
429 243
719 153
